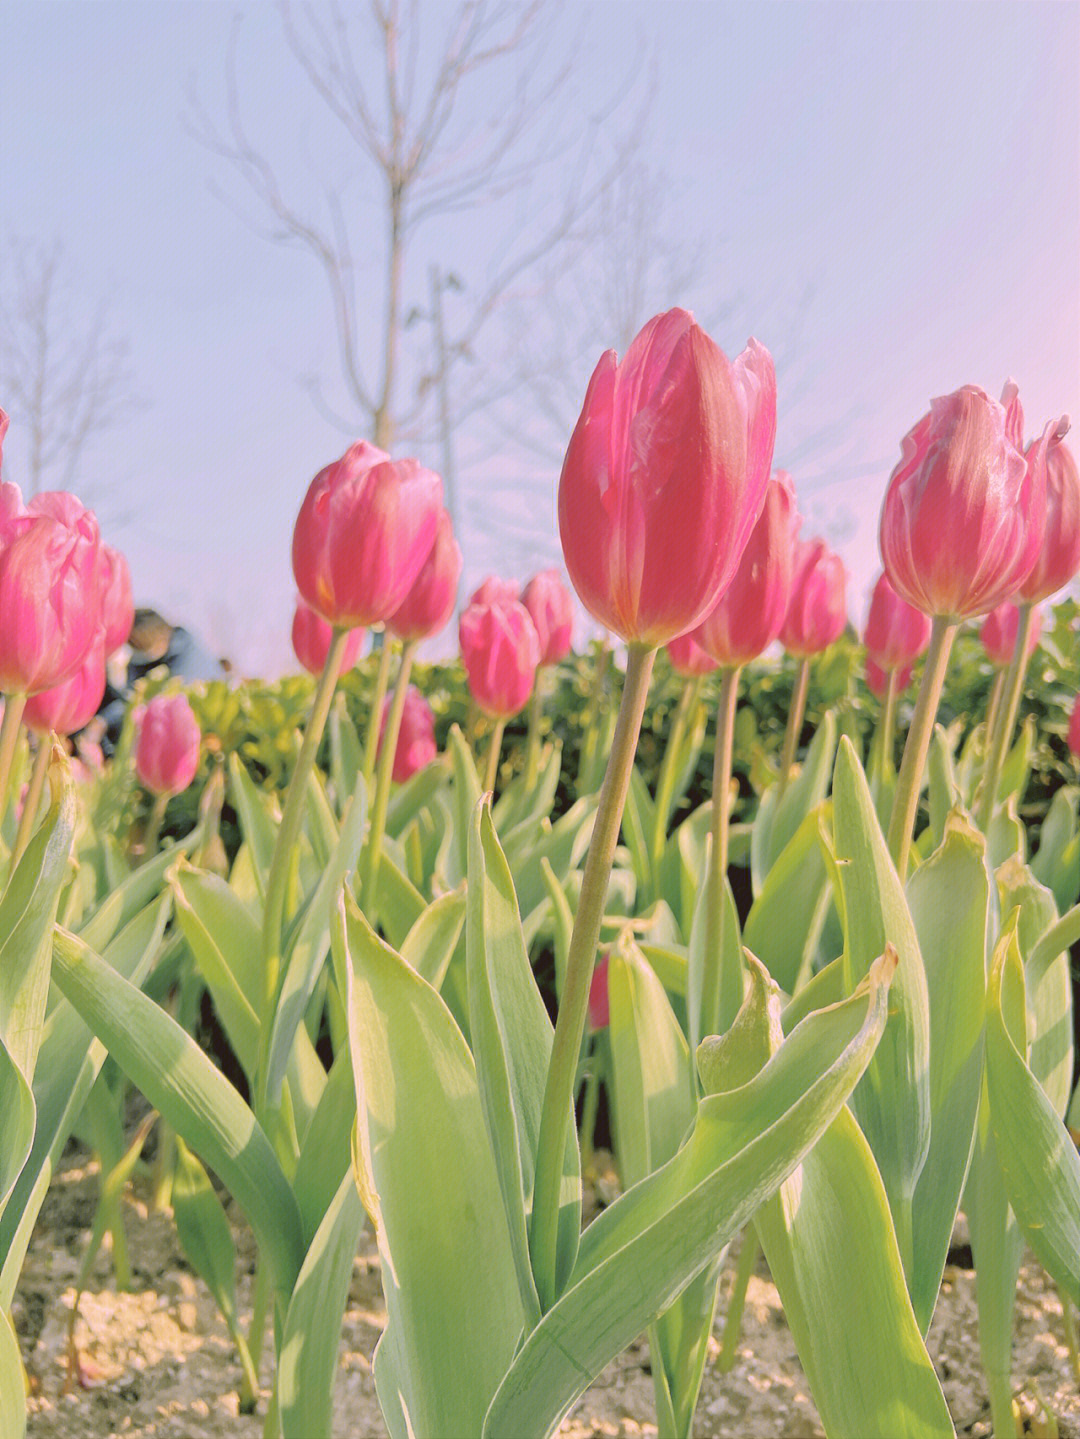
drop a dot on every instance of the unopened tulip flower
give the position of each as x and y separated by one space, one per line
500 650
167 751
50 603
416 746
67 707
1059 558
117 606
998 633
664 478
364 531
877 679
896 633
752 610
687 657
963 515
1074 728
311 637
494 591
817 611
430 602
551 609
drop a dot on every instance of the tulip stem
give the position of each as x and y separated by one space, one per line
491 766
9 737
292 817
665 784
888 724
570 1025
709 1012
796 711
1005 718
993 705
909 780
378 699
532 752
373 850
32 802
153 828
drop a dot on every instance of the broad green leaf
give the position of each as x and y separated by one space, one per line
197 1100
512 1037
17 1113
465 793
519 807
804 793
439 1213
1057 863
892 1104
325 1153
320 825
638 1255
430 944
1017 764
944 792
683 864
203 1230
562 924
416 794
671 967
825 988
12 1383
1006 837
1038 1159
637 827
259 820
307 1361
949 898
731 966
563 846
786 919
141 888
400 903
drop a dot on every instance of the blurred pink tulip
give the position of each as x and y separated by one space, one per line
364 531
998 633
599 999
1074 728
3 432
688 658
167 749
896 633
67 707
428 606
963 515
500 650
50 602
117 606
817 612
877 679
1059 558
11 510
664 478
311 637
551 609
494 591
752 609
416 746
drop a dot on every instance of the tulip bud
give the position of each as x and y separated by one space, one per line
50 602
67 707
896 633
416 746
551 610
688 658
998 634
430 603
817 612
599 999
1074 728
365 528
963 515
501 650
877 679
664 478
494 591
312 637
751 611
167 751
117 606
1059 558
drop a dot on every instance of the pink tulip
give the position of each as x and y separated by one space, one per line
11 509
896 633
599 999
998 634
50 602
551 609
1059 558
877 679
963 515
688 658
501 650
1074 728
167 751
494 591
817 612
664 478
365 528
428 606
67 707
416 746
752 609
3 432
312 636
118 608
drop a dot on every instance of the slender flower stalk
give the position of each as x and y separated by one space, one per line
532 749
491 767
909 780
32 802
1005 718
669 768
993 704
153 828
384 774
796 712
14 705
886 730
570 1026
378 699
718 860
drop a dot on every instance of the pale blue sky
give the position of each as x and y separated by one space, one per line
885 194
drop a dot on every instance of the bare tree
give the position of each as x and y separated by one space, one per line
65 373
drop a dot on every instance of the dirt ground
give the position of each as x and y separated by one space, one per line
157 1362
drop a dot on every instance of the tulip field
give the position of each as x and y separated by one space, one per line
552 1000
